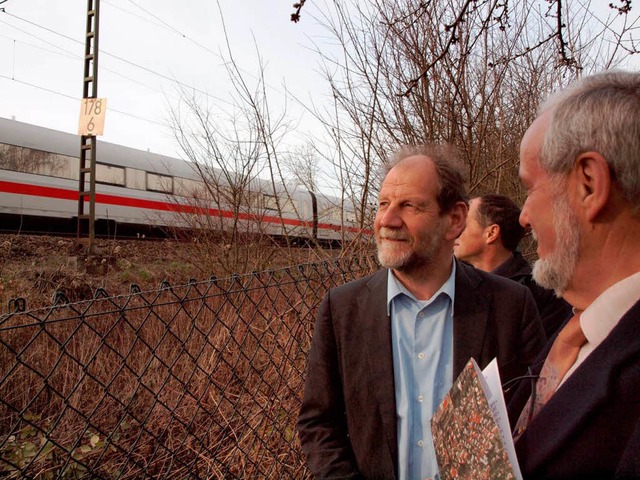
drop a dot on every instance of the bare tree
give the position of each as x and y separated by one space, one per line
302 166
557 17
237 148
469 73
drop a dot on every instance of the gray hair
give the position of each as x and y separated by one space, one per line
598 113
449 168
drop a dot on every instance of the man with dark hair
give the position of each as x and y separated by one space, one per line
387 347
490 241
580 164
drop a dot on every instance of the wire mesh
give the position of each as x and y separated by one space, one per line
202 380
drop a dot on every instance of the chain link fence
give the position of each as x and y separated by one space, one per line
202 380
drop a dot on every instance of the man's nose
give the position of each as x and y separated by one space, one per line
390 217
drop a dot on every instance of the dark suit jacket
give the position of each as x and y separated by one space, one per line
590 428
553 310
347 424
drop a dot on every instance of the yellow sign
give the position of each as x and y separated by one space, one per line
92 112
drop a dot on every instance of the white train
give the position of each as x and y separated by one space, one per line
39 172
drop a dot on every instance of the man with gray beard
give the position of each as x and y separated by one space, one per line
580 164
387 347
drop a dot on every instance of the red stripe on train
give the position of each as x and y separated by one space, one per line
106 199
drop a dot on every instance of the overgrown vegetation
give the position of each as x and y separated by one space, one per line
37 268
198 381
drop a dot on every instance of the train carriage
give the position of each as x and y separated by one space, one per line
39 171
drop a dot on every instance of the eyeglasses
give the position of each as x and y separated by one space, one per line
507 386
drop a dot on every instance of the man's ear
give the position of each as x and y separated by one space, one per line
593 179
457 220
492 233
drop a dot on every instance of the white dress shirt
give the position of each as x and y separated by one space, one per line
603 315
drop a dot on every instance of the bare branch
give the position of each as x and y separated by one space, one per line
295 16
453 28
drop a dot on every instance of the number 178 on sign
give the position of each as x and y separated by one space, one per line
92 113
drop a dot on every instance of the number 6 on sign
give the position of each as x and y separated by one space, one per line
92 112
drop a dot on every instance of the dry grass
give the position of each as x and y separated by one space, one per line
35 268
199 381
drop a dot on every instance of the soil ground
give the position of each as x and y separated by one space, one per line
34 267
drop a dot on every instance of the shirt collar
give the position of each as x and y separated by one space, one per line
395 288
605 312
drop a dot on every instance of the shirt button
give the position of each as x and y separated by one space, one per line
420 443
420 398
421 355
421 314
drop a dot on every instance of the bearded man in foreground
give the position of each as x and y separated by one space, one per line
580 164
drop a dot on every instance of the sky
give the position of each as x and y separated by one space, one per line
149 49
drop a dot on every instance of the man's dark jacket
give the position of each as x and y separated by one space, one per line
347 422
553 310
590 428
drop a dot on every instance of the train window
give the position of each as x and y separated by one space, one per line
287 206
254 200
258 201
136 178
22 159
62 166
336 215
304 207
331 214
270 202
218 194
12 158
18 159
159 183
110 174
248 199
189 188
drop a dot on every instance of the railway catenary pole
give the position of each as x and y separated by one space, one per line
87 178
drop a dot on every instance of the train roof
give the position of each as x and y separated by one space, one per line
21 134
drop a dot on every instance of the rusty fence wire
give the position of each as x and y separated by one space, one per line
202 380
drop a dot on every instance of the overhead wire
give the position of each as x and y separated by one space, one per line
70 55
198 44
167 27
32 35
161 24
78 99
149 70
176 31
73 56
117 7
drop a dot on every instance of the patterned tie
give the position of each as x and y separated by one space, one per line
561 357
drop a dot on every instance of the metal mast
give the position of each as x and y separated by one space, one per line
87 178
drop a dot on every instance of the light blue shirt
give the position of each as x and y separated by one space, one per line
422 341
